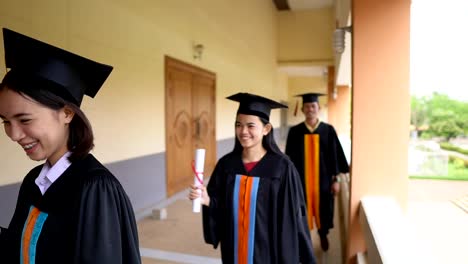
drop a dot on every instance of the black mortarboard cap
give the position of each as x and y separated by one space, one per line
72 76
251 104
310 97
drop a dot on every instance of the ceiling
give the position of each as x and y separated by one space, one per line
343 70
296 5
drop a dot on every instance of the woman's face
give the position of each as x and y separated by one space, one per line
250 130
41 132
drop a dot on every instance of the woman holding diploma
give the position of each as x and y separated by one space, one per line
253 205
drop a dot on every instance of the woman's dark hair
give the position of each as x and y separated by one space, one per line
80 137
268 141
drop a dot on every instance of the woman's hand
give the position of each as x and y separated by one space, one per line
335 188
199 191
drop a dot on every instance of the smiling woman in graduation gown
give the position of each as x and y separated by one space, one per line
256 210
84 217
270 217
71 209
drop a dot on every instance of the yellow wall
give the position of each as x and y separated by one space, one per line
300 85
133 36
306 36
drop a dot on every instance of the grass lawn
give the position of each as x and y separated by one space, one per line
455 174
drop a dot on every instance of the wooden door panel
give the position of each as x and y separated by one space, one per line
190 121
179 145
203 108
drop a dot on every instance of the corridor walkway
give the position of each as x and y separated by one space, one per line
179 238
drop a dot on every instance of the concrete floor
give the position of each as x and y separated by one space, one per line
440 226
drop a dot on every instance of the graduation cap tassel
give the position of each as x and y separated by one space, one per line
295 108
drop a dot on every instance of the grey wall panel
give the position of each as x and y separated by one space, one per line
8 196
223 147
144 179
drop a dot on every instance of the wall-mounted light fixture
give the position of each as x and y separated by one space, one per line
339 39
198 51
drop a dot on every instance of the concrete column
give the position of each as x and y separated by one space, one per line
380 106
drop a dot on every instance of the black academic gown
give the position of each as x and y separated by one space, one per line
267 219
84 217
332 162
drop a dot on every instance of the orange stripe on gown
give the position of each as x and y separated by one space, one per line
312 178
244 218
31 222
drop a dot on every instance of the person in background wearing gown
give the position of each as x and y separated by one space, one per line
70 209
315 150
253 205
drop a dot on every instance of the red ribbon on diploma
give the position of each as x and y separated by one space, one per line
199 175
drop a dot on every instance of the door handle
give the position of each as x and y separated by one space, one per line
197 128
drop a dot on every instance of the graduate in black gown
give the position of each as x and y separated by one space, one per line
253 205
70 209
315 150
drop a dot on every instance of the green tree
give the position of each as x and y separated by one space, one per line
444 124
447 117
461 110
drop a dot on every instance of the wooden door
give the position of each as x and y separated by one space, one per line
190 121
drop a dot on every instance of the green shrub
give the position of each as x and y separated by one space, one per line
459 163
452 158
448 146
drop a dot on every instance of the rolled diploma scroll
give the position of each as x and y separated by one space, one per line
198 181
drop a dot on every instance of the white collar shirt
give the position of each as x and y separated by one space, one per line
49 175
312 129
